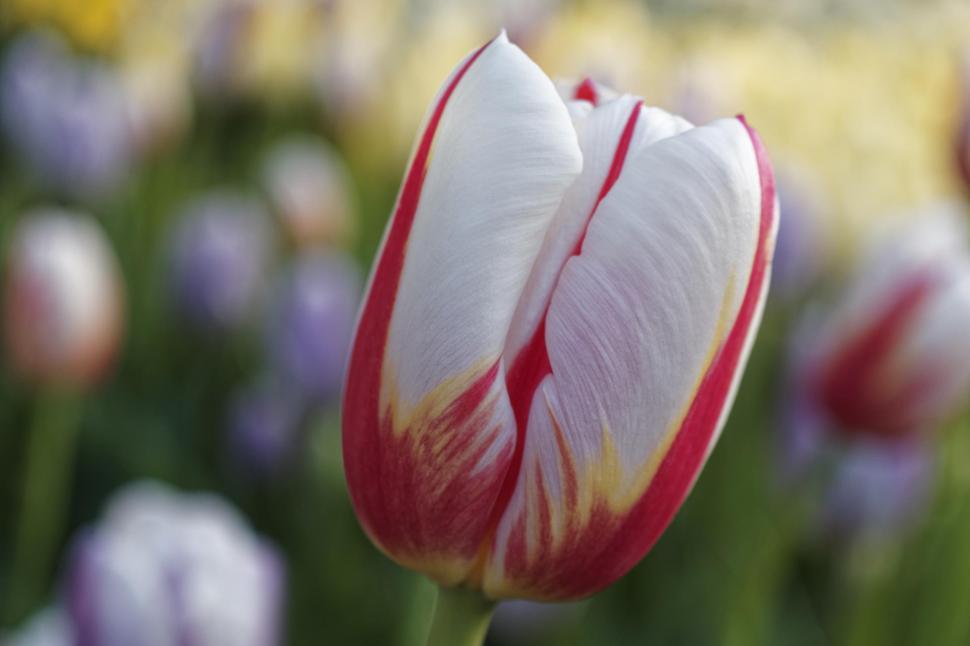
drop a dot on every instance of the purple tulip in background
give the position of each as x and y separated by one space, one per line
264 427
219 257
67 117
167 569
311 322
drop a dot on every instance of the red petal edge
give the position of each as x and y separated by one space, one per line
394 485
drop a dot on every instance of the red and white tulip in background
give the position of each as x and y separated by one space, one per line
892 358
876 373
64 300
64 319
553 333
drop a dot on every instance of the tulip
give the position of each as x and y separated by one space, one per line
309 187
554 331
64 301
66 117
164 568
311 324
892 357
64 315
219 255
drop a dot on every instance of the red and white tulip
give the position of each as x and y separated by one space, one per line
892 357
554 329
64 301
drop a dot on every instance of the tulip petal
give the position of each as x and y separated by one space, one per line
601 133
428 431
646 333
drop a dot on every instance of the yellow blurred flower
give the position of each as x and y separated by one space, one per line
91 24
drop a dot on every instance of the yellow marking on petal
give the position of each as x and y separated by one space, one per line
434 404
604 479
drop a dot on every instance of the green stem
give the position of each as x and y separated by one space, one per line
47 475
461 618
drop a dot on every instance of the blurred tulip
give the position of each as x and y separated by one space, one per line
64 300
554 331
50 627
66 117
164 568
264 428
309 187
311 323
219 256
892 358
878 489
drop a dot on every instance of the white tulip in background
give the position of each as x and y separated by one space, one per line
164 568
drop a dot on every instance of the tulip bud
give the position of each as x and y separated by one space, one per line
310 190
892 358
66 117
64 302
311 323
554 331
164 568
219 257
264 428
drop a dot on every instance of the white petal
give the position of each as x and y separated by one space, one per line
634 324
638 316
504 154
600 132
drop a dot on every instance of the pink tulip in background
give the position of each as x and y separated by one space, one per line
554 329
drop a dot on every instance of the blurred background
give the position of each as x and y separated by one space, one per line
191 192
